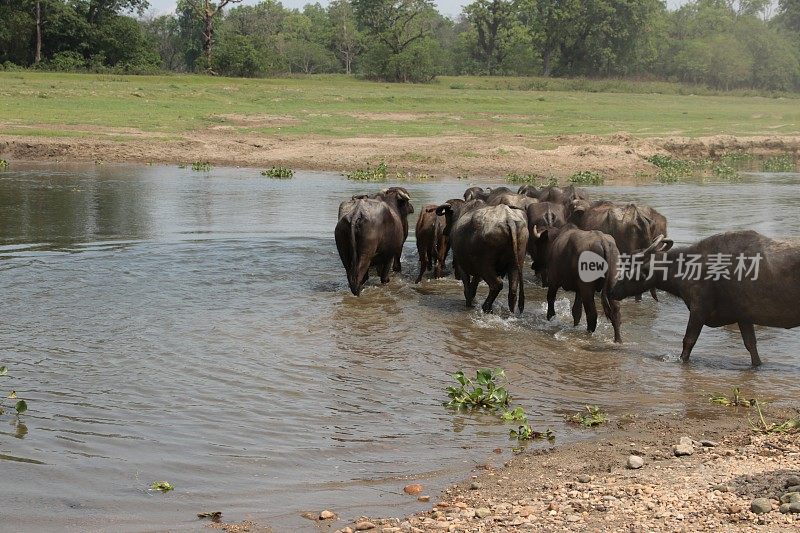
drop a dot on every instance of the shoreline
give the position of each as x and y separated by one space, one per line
588 485
619 157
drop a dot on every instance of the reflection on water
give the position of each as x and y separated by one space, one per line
197 328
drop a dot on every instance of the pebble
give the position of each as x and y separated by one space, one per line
794 507
784 508
327 515
709 443
474 485
791 481
635 462
573 518
346 530
584 478
686 441
794 488
790 497
482 512
424 499
680 450
413 490
761 505
363 526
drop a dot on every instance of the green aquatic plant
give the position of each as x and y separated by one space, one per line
791 425
525 432
593 417
163 486
201 166
3 164
724 171
282 173
378 173
737 159
20 406
736 399
516 415
513 177
483 393
778 163
670 169
587 177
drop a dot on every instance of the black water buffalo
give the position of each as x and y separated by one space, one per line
488 242
511 199
372 231
426 239
634 227
543 215
478 193
766 297
558 253
554 194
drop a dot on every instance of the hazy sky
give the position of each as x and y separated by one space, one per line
446 7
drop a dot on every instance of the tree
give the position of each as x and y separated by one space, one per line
207 11
392 27
494 22
345 38
552 25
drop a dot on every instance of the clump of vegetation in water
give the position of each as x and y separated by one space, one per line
593 417
670 169
761 426
524 430
738 159
724 171
483 393
3 164
378 173
736 399
587 177
201 166
778 163
162 486
513 177
20 406
281 173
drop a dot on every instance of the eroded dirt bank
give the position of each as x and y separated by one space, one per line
619 157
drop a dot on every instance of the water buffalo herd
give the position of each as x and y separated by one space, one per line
491 231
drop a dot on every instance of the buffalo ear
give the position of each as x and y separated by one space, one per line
444 209
410 207
430 209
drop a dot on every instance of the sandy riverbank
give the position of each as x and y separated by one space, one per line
588 486
619 157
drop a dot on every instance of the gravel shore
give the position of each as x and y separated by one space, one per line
705 475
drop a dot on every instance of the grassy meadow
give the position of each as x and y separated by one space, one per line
73 105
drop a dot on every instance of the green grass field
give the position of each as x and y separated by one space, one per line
50 104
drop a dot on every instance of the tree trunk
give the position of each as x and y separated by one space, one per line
38 56
208 35
546 63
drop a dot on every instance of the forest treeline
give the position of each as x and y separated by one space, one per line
723 44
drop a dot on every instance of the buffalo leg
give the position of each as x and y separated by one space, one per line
654 294
637 298
693 329
383 270
423 263
470 288
611 310
513 286
397 266
360 275
495 286
577 310
587 296
749 338
552 290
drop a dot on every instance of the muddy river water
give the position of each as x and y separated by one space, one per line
195 327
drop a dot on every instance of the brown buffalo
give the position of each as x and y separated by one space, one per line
426 239
553 194
543 215
478 193
769 298
371 232
558 253
489 243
